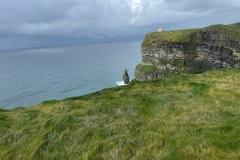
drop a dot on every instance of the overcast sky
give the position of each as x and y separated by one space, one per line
27 23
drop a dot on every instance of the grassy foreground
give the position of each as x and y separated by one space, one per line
180 117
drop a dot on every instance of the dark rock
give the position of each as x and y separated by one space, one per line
125 76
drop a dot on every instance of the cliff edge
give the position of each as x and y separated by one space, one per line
189 51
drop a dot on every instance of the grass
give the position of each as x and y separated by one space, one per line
146 68
236 25
190 36
180 117
177 36
231 30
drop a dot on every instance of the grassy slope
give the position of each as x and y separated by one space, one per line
185 36
232 30
180 117
236 25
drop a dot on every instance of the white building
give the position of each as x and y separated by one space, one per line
160 29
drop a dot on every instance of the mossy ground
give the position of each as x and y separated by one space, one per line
146 68
180 117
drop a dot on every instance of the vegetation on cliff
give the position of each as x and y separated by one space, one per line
236 25
146 68
232 30
177 36
187 36
179 117
190 51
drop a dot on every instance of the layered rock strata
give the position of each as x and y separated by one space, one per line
189 51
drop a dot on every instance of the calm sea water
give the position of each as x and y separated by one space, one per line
28 77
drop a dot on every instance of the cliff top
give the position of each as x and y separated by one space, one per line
236 25
186 35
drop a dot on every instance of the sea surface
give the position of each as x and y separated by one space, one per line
30 76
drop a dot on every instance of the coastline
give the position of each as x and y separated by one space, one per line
170 115
33 76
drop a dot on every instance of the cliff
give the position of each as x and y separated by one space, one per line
189 51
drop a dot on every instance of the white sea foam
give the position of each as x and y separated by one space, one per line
120 83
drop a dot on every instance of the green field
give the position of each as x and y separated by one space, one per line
180 117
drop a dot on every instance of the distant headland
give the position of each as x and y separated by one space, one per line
189 51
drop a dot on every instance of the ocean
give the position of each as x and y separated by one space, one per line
30 76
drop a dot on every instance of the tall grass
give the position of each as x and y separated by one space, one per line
180 117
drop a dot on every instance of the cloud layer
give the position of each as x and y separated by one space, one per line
99 20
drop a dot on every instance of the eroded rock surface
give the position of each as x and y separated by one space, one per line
189 51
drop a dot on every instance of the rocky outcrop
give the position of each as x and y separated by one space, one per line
189 51
125 76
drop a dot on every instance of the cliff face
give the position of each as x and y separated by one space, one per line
189 51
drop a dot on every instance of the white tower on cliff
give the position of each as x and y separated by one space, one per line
160 29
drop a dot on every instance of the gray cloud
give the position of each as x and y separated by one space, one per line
103 20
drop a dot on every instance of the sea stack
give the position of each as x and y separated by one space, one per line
125 76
